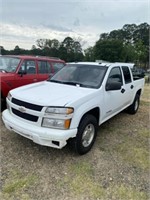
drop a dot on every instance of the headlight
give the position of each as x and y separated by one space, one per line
59 110
58 117
56 123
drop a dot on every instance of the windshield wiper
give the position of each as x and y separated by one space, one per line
67 82
55 81
78 84
73 83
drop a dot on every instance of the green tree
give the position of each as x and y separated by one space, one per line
17 50
2 50
55 44
109 50
63 52
89 54
128 54
72 48
68 44
133 41
140 52
128 32
41 43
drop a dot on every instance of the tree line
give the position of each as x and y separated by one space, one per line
129 44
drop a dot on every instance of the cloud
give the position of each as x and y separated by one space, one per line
56 27
76 22
26 36
23 22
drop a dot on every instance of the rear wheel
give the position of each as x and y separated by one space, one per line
133 108
86 135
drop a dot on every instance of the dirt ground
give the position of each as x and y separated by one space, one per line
117 168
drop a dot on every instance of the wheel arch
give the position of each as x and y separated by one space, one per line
94 112
139 92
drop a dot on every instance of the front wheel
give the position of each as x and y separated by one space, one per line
86 135
133 108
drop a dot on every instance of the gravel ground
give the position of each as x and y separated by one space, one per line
117 168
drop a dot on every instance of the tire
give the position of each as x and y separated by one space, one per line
133 108
86 135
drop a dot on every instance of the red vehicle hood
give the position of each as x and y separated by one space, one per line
6 76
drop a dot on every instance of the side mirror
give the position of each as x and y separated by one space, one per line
113 85
22 73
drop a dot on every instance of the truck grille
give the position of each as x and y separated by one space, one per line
25 115
27 105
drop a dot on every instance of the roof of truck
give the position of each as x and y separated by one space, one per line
107 64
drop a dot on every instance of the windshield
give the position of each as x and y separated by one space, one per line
90 76
8 64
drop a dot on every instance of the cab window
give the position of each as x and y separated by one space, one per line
115 75
126 73
28 66
44 67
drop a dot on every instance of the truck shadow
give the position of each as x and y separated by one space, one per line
3 107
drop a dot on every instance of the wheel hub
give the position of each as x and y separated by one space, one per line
88 135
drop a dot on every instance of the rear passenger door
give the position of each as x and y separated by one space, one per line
44 70
128 84
27 73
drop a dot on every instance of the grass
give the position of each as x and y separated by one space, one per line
146 93
123 192
16 184
144 133
133 155
133 148
81 182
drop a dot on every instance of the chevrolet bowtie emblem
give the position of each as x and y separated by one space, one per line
22 109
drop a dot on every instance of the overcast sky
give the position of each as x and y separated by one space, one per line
22 22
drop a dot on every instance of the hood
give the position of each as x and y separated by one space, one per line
4 76
50 94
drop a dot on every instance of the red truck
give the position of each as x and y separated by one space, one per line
19 70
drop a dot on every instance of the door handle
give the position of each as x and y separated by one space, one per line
132 86
123 90
35 80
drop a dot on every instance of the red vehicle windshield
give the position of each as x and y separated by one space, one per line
8 64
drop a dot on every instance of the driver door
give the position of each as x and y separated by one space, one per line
114 100
27 73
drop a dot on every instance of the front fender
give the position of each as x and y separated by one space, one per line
83 109
5 88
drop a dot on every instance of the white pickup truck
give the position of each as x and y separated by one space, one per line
69 107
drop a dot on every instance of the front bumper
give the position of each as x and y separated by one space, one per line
44 136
